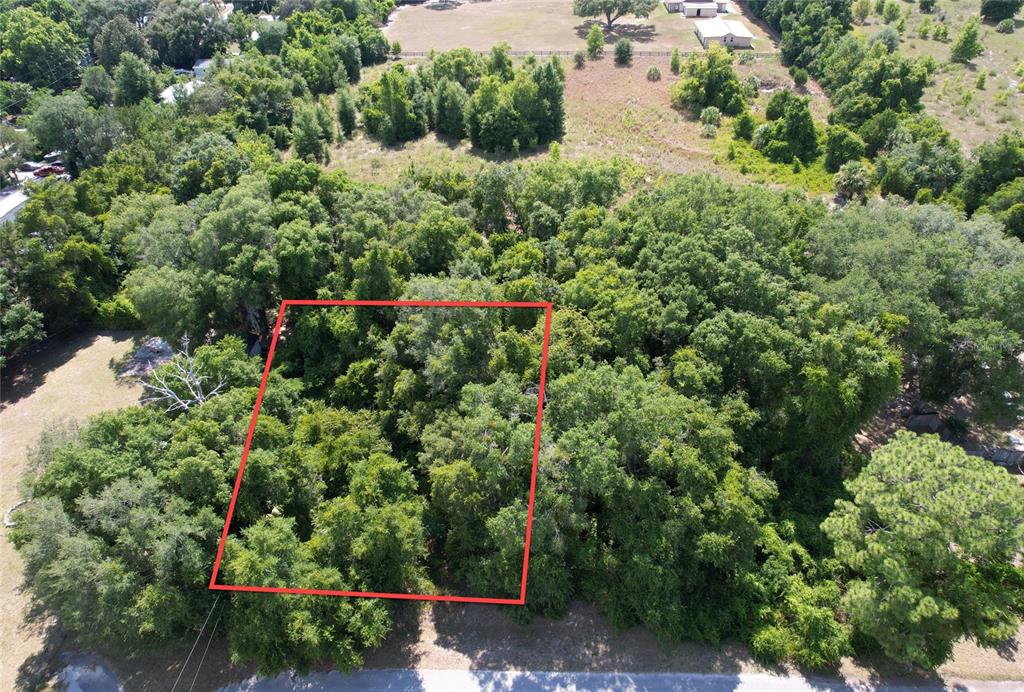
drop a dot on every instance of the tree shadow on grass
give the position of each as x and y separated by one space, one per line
581 641
36 670
584 642
442 6
638 33
1008 649
25 373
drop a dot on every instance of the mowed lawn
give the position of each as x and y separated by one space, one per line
540 25
71 380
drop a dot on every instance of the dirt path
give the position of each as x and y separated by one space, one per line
73 379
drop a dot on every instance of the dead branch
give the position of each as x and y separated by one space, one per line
181 373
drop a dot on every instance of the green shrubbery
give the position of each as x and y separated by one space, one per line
501 109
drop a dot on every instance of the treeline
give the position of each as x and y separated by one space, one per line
66 256
713 351
499 107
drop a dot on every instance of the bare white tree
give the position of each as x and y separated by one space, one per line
180 383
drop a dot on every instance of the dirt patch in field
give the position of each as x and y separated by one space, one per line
543 25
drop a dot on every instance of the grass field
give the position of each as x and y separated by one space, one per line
70 380
539 25
610 111
972 114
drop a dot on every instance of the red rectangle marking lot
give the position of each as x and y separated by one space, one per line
255 414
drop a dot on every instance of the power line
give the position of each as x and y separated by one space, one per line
7 107
195 644
213 631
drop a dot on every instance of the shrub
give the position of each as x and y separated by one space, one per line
282 137
708 79
595 41
967 45
743 126
396 49
888 37
677 61
580 59
711 116
751 87
1006 26
709 130
117 313
449 103
653 73
623 51
800 76
891 12
841 145
980 82
772 644
346 112
853 181
762 135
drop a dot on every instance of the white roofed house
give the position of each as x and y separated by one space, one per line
173 92
693 8
12 201
727 32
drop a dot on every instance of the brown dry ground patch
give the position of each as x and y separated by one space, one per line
542 25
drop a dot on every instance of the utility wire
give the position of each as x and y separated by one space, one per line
213 631
195 644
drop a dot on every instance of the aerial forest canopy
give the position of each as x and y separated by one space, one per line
708 368
714 348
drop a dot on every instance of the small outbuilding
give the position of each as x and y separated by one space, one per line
727 32
693 8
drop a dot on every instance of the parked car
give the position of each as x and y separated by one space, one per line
49 170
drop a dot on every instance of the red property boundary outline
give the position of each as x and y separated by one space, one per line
252 428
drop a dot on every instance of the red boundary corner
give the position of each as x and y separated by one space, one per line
256 411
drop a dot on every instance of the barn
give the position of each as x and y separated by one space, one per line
727 32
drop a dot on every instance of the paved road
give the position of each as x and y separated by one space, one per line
500 681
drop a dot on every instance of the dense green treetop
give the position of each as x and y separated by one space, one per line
931 535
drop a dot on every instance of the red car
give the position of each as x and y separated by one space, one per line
47 171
